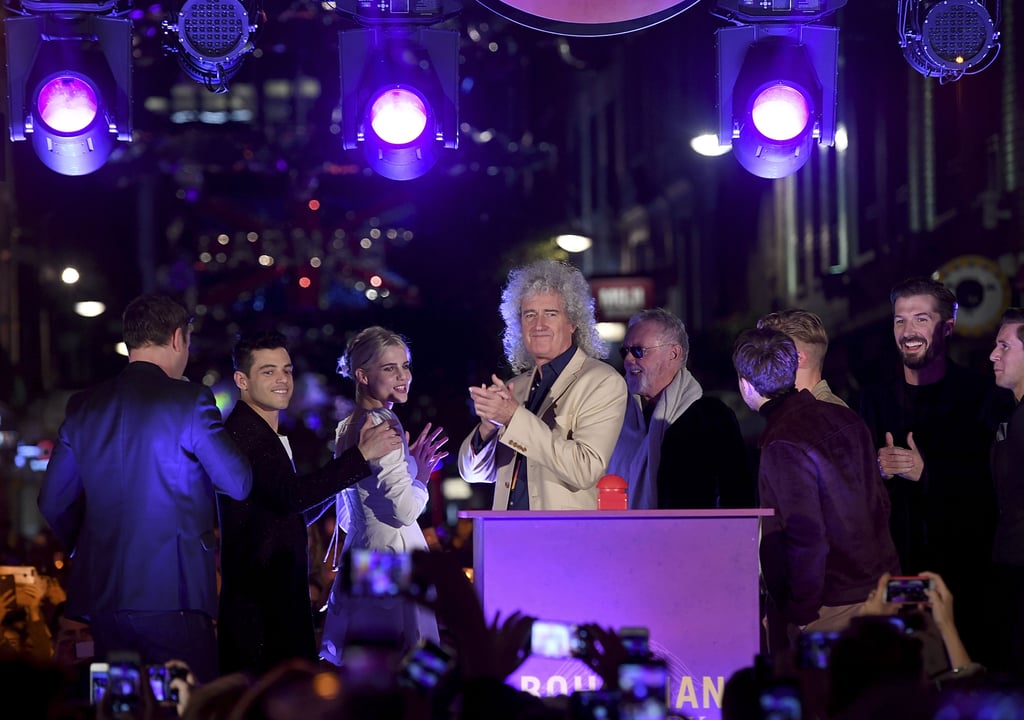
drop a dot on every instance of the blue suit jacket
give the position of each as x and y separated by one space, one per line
130 490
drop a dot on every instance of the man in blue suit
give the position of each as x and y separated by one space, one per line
130 489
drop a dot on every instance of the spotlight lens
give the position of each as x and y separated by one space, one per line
398 116
780 112
67 104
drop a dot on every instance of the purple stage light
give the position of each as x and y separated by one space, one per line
69 85
398 116
780 112
72 134
67 104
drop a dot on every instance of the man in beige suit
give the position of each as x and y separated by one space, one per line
546 436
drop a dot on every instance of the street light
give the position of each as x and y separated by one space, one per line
574 242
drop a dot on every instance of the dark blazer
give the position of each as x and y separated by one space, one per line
265 612
704 460
130 490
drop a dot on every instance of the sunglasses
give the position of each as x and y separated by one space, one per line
637 351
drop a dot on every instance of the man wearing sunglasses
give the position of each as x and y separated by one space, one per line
678 448
545 437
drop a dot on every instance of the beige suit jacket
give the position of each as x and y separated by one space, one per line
566 445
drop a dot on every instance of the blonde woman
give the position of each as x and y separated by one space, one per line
379 512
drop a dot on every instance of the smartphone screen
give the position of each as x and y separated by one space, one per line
425 665
814 649
125 687
781 701
907 590
551 639
642 685
97 681
594 705
635 641
379 573
157 675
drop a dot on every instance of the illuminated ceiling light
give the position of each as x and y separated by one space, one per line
121 348
90 308
777 93
212 37
781 111
69 275
69 82
574 243
399 87
708 146
398 115
949 38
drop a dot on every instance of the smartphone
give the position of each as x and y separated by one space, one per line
6 584
552 639
425 665
636 641
643 684
159 680
814 649
780 700
908 590
377 574
23 574
125 686
594 705
97 681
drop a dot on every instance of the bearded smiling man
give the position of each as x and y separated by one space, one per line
933 427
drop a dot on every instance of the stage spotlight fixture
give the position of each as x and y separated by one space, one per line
212 37
755 11
948 39
777 93
69 81
399 86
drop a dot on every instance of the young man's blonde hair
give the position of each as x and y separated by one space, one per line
803 327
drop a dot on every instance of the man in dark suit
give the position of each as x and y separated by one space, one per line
933 424
265 612
130 489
